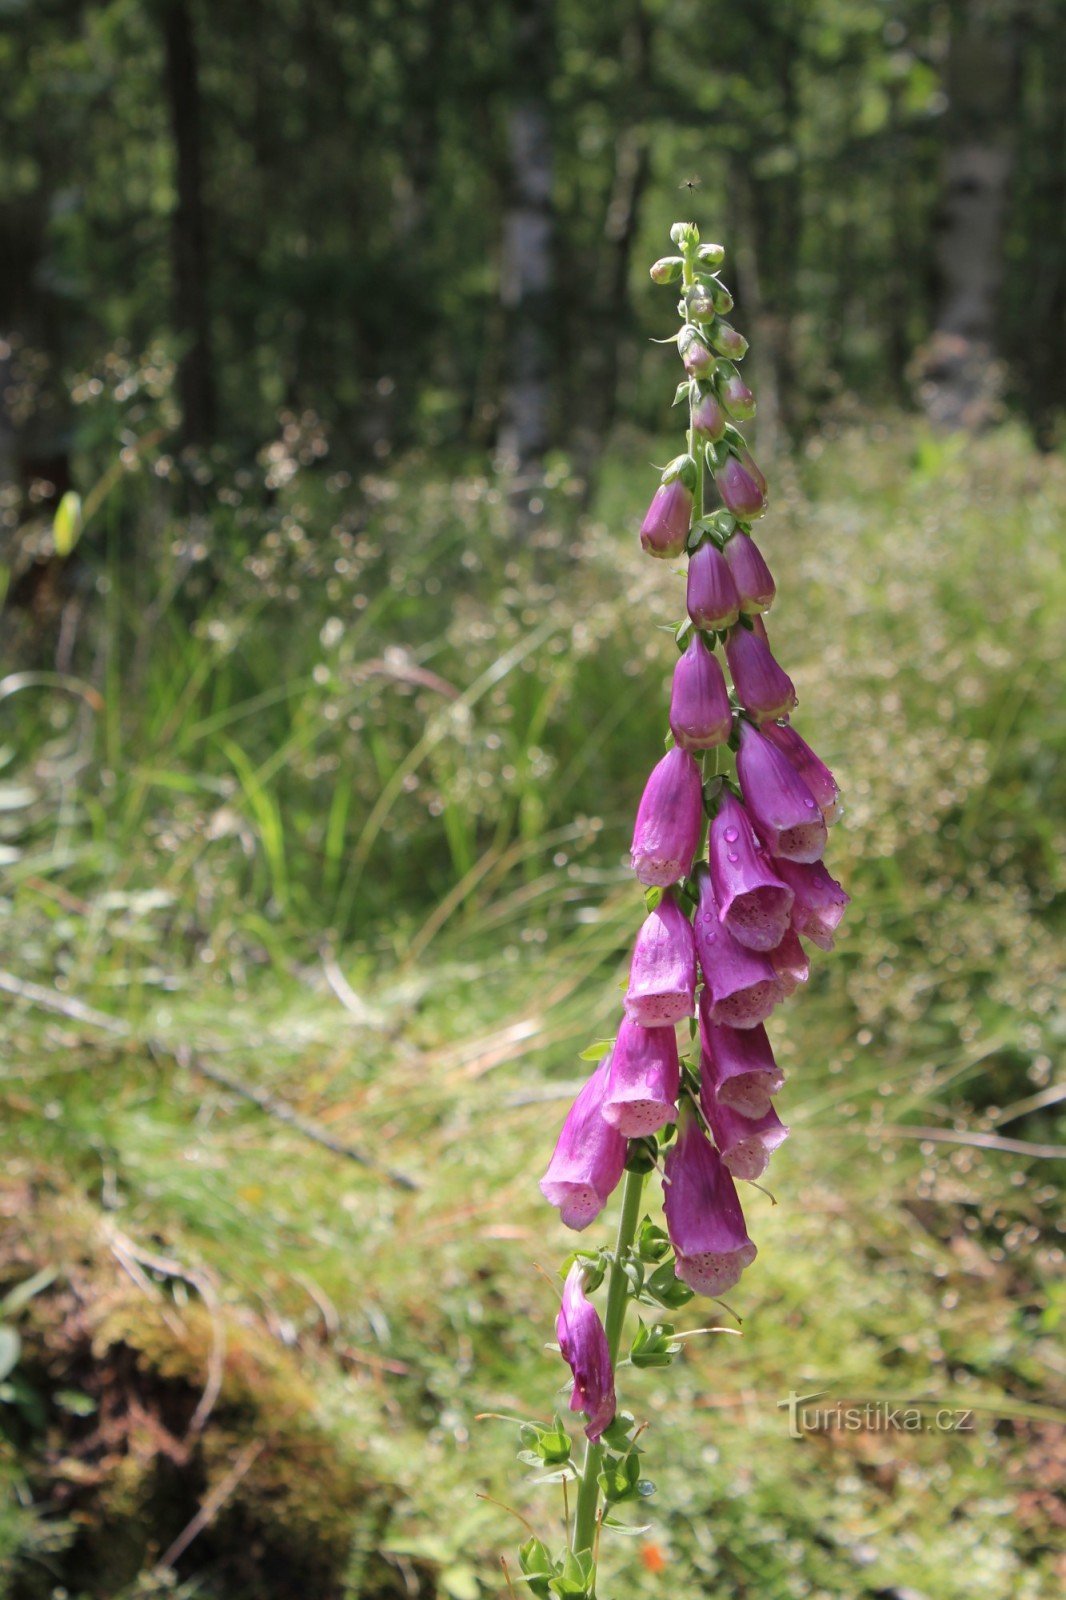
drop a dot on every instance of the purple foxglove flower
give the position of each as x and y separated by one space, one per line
811 768
700 713
708 418
698 360
665 527
740 986
736 397
784 810
666 834
643 1080
588 1159
755 584
819 904
749 466
583 1343
738 1065
753 904
790 963
744 1143
703 1215
740 490
712 597
763 688
662 972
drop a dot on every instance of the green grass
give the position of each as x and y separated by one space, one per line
363 729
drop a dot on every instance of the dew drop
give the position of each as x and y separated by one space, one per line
732 835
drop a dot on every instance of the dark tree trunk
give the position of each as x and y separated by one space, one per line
196 379
960 387
527 260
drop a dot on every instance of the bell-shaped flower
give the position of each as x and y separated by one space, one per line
711 591
588 1159
783 809
643 1080
763 688
740 489
753 903
744 1143
662 971
737 1065
790 962
819 904
703 1214
700 713
754 581
583 1342
740 986
666 834
666 521
811 768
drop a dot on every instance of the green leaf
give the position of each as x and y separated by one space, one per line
10 1350
66 528
75 1402
24 1292
597 1050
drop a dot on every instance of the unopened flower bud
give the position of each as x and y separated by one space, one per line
666 834
700 713
711 255
666 523
764 689
643 1080
728 342
697 358
703 1214
711 597
662 971
699 303
753 903
782 807
734 393
684 234
811 768
754 581
789 961
708 418
667 269
740 489
723 300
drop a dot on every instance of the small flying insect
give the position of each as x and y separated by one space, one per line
691 184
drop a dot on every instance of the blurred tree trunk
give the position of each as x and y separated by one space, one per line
189 255
528 248
960 387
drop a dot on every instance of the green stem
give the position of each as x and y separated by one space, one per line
695 446
588 1494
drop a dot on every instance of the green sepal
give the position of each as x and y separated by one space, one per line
652 1242
575 1579
666 1287
594 1263
653 898
616 1435
681 633
682 392
642 1155
716 456
596 1050
537 1567
654 1346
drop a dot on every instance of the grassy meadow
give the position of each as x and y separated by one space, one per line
330 806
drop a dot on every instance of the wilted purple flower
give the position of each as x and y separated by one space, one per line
662 972
708 418
738 1064
666 522
745 1143
703 1215
790 962
740 985
755 584
643 1080
740 489
700 713
588 1159
819 904
583 1343
752 902
784 810
811 768
735 396
669 819
712 597
763 688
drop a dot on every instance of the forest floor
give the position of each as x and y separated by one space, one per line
374 875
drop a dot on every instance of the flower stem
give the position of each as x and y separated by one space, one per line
588 1494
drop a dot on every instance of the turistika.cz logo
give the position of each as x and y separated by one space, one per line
848 1415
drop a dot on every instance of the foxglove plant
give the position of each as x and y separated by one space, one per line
730 854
